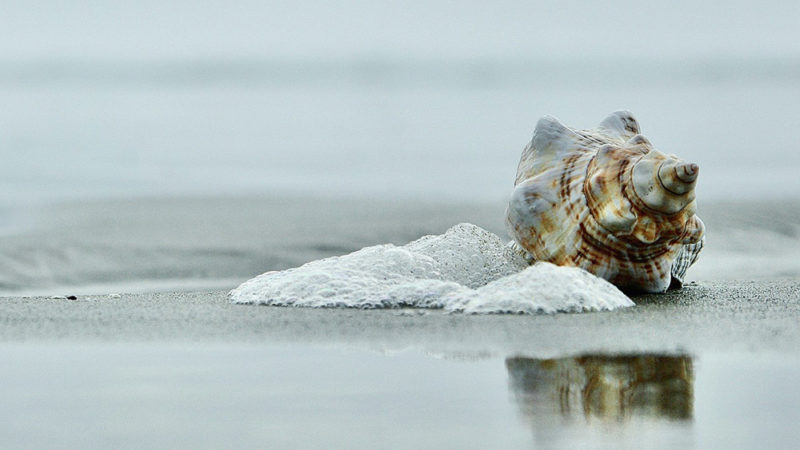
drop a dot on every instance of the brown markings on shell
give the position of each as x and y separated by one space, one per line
588 252
600 248
601 239
567 180
670 227
563 191
587 138
625 260
673 227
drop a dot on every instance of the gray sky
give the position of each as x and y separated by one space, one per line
44 29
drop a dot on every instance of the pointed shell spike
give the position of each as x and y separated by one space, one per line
687 172
678 178
656 183
620 124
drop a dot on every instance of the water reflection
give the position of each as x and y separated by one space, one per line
610 388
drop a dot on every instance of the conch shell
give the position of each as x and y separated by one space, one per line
604 200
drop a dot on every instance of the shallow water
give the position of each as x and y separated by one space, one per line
302 396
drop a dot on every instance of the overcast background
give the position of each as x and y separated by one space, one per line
413 99
395 29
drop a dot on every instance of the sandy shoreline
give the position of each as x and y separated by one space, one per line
195 244
191 370
708 317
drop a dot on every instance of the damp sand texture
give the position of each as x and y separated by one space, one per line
191 370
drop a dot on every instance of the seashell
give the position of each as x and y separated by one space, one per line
604 200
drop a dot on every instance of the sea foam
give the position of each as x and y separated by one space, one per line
466 269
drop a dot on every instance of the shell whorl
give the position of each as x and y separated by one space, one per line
606 201
664 183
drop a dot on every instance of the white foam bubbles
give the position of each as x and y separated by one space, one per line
541 288
467 269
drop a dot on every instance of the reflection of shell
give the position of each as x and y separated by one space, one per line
603 386
606 201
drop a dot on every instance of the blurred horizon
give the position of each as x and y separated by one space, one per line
429 101
479 73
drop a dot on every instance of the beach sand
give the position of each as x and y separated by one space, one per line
711 365
724 316
191 370
215 243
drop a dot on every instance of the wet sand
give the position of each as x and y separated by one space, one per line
707 317
193 244
711 365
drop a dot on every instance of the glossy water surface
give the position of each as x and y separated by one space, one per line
221 395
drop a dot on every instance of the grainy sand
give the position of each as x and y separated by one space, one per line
190 370
185 244
708 317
